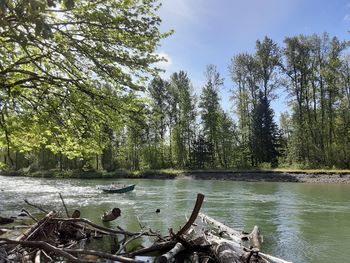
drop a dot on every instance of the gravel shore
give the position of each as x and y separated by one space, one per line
298 177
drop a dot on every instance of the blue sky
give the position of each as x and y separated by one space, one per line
213 31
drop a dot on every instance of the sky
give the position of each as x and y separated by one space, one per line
213 31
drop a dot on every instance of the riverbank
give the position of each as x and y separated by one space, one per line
276 175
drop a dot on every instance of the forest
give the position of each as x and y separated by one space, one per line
80 89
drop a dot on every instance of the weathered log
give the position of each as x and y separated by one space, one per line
37 258
221 228
227 251
255 238
45 246
102 255
155 247
47 256
30 232
199 244
236 240
167 257
273 259
111 215
262 257
107 230
193 217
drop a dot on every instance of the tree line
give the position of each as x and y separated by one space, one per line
182 130
76 94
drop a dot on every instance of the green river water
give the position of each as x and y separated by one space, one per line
300 222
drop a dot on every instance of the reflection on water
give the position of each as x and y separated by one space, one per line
300 222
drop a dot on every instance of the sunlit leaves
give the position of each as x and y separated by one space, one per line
70 68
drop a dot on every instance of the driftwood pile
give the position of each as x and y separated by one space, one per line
201 240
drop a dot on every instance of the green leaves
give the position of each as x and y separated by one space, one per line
68 69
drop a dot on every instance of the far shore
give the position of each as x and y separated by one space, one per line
276 175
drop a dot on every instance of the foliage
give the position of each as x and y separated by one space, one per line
264 133
72 76
202 152
182 115
316 86
211 110
70 68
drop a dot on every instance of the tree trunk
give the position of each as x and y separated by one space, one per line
111 215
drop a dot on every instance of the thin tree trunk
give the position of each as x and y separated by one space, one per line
97 162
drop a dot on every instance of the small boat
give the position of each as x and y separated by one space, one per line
118 188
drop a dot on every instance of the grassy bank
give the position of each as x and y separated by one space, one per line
93 174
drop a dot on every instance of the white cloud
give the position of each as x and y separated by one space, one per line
167 61
176 9
347 18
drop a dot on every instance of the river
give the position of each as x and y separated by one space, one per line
303 223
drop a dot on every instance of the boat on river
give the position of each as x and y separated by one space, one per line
117 188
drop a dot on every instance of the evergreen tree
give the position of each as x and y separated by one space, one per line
210 111
253 74
264 133
202 152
